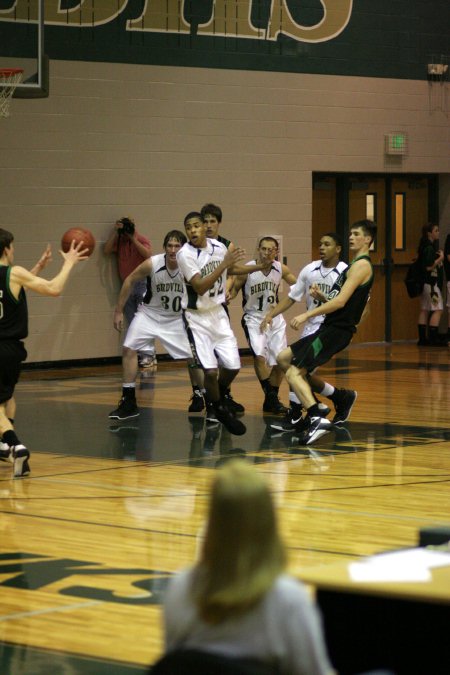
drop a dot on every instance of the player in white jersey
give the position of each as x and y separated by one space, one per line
204 264
212 216
319 275
259 292
159 316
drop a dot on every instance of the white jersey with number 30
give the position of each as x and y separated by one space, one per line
165 287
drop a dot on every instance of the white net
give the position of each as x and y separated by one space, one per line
9 79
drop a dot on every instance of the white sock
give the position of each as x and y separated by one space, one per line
328 390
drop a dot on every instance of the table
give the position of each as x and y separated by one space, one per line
404 627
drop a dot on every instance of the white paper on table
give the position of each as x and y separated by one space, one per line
410 565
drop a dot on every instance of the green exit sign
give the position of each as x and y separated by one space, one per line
396 143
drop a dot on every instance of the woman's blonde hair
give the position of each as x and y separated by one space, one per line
242 552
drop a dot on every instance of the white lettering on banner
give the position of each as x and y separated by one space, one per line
230 18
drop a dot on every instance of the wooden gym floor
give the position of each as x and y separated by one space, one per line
89 540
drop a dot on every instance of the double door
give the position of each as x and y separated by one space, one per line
400 205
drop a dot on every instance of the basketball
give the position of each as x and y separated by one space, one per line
79 234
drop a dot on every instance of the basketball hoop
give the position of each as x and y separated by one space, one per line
9 78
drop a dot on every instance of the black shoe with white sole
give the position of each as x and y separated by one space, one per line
126 410
344 403
319 427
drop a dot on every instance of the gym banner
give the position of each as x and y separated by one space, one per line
347 37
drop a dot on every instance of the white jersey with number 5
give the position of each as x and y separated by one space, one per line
324 277
203 261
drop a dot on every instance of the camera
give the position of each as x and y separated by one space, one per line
127 226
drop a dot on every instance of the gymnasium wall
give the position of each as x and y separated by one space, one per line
155 141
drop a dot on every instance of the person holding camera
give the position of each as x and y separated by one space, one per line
131 249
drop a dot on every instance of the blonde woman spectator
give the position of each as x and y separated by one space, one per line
237 601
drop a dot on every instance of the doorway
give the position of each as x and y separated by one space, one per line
400 205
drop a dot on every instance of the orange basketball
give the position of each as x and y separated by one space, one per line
78 234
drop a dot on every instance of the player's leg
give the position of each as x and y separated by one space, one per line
343 399
276 342
225 350
317 425
11 449
197 378
142 329
147 354
127 408
5 426
294 419
264 361
258 346
300 359
272 402
226 408
234 406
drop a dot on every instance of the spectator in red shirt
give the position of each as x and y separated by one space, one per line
131 249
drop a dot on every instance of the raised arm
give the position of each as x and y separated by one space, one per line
20 277
142 245
43 261
202 284
248 269
287 275
111 242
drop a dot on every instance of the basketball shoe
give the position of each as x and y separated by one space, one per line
343 400
272 404
211 416
231 404
20 457
126 410
6 453
318 427
292 417
229 421
197 402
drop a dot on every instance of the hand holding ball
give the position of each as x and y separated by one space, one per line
78 234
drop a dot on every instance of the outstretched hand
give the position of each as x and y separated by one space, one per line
233 257
75 253
43 261
45 258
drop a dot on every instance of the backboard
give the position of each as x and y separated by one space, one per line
22 45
